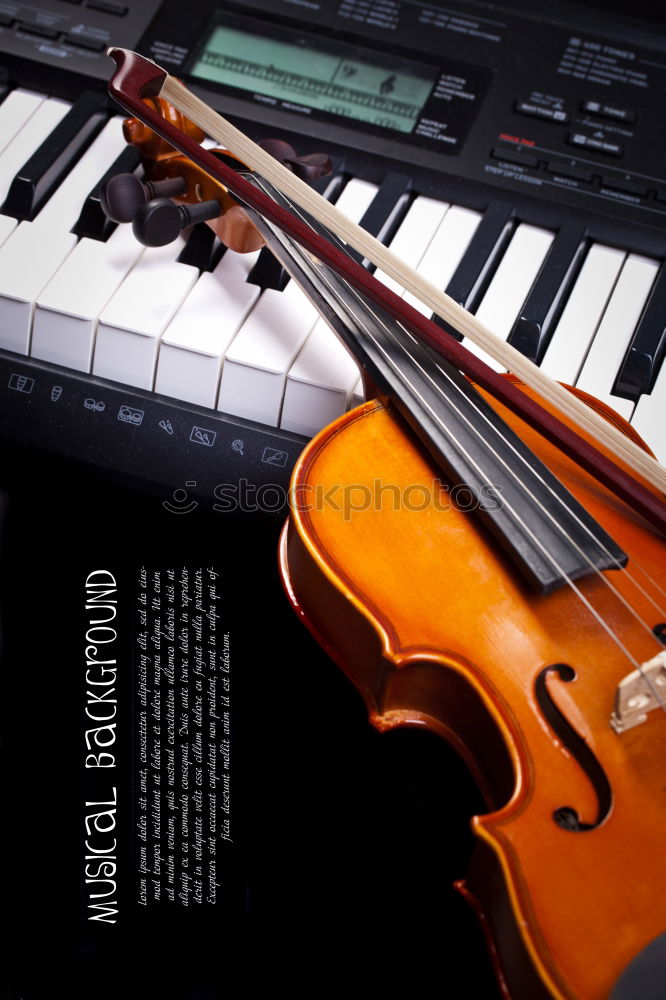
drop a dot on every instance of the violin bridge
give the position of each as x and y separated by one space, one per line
638 693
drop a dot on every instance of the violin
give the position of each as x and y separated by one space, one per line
472 578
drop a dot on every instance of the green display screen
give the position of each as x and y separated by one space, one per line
352 87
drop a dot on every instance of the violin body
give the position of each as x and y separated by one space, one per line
433 625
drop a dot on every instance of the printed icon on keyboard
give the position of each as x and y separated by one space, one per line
238 446
95 404
166 426
273 456
200 435
130 415
21 383
179 503
56 393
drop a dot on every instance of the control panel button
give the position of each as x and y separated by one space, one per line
609 111
514 156
538 111
86 42
625 186
572 171
598 145
38 29
108 7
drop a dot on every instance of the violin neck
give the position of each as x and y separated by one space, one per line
547 533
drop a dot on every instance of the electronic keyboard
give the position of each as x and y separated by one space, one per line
514 157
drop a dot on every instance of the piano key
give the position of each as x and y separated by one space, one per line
132 322
640 366
16 109
619 321
319 384
64 207
92 221
202 248
195 342
510 284
39 127
648 417
62 146
445 250
382 214
492 234
414 235
32 254
66 312
256 364
7 226
581 315
531 331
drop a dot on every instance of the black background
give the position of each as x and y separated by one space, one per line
347 840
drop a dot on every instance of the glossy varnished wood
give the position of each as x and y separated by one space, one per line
435 628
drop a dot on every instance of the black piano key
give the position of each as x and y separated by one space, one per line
645 354
532 330
92 221
43 172
268 272
475 270
4 83
202 249
386 209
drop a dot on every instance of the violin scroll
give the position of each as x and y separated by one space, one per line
175 193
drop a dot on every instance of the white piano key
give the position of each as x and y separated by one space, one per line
236 266
64 207
32 254
33 133
16 109
649 418
28 259
579 320
66 312
615 330
131 324
413 237
196 340
319 383
7 226
256 364
445 250
510 284
356 198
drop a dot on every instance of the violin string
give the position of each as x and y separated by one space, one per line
536 474
323 275
628 574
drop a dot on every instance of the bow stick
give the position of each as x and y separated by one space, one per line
137 77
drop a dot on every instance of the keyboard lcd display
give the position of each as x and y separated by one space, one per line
387 96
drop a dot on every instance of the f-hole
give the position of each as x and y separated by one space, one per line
566 816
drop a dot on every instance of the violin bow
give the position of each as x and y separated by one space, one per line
137 78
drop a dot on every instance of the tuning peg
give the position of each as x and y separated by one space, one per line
123 195
159 221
